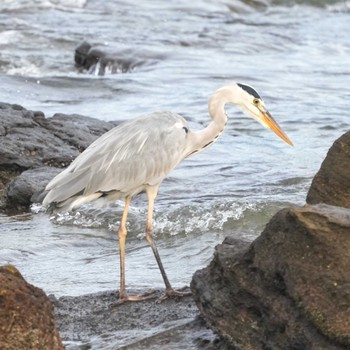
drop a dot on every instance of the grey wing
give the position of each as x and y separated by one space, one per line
134 154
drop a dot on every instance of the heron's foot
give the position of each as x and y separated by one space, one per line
123 298
172 293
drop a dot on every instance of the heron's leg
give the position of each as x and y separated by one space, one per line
122 239
123 297
152 194
169 291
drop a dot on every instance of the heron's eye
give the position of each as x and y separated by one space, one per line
256 101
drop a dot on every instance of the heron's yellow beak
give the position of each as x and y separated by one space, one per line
271 123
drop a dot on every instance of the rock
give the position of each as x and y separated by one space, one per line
94 321
289 289
26 188
331 185
26 315
81 55
74 129
25 144
102 59
28 140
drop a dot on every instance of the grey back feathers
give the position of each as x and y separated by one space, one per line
121 162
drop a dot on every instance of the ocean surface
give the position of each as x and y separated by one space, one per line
295 53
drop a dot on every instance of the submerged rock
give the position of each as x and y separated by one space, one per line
290 289
28 141
26 315
331 185
103 59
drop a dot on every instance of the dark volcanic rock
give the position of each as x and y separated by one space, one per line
25 144
331 185
94 321
290 289
102 59
26 315
20 191
74 129
28 140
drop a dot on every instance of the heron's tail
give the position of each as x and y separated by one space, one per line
71 203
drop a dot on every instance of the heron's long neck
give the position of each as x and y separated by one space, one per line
207 136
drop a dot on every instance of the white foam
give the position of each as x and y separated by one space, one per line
339 7
199 219
28 69
16 4
70 3
182 219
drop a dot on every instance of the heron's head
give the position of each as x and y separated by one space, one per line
252 104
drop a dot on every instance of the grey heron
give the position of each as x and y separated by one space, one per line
138 154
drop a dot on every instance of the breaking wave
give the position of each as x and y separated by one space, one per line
179 220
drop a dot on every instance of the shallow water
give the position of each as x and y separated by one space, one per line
295 55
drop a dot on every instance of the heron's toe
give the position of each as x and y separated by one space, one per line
172 293
137 297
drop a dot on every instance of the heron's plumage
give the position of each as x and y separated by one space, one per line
141 152
137 155
125 160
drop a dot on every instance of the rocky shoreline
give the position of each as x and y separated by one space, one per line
94 320
289 289
33 149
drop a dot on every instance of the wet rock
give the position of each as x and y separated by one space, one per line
26 188
331 185
26 315
28 140
94 322
289 289
103 59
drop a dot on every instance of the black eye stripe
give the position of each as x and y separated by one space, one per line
186 129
